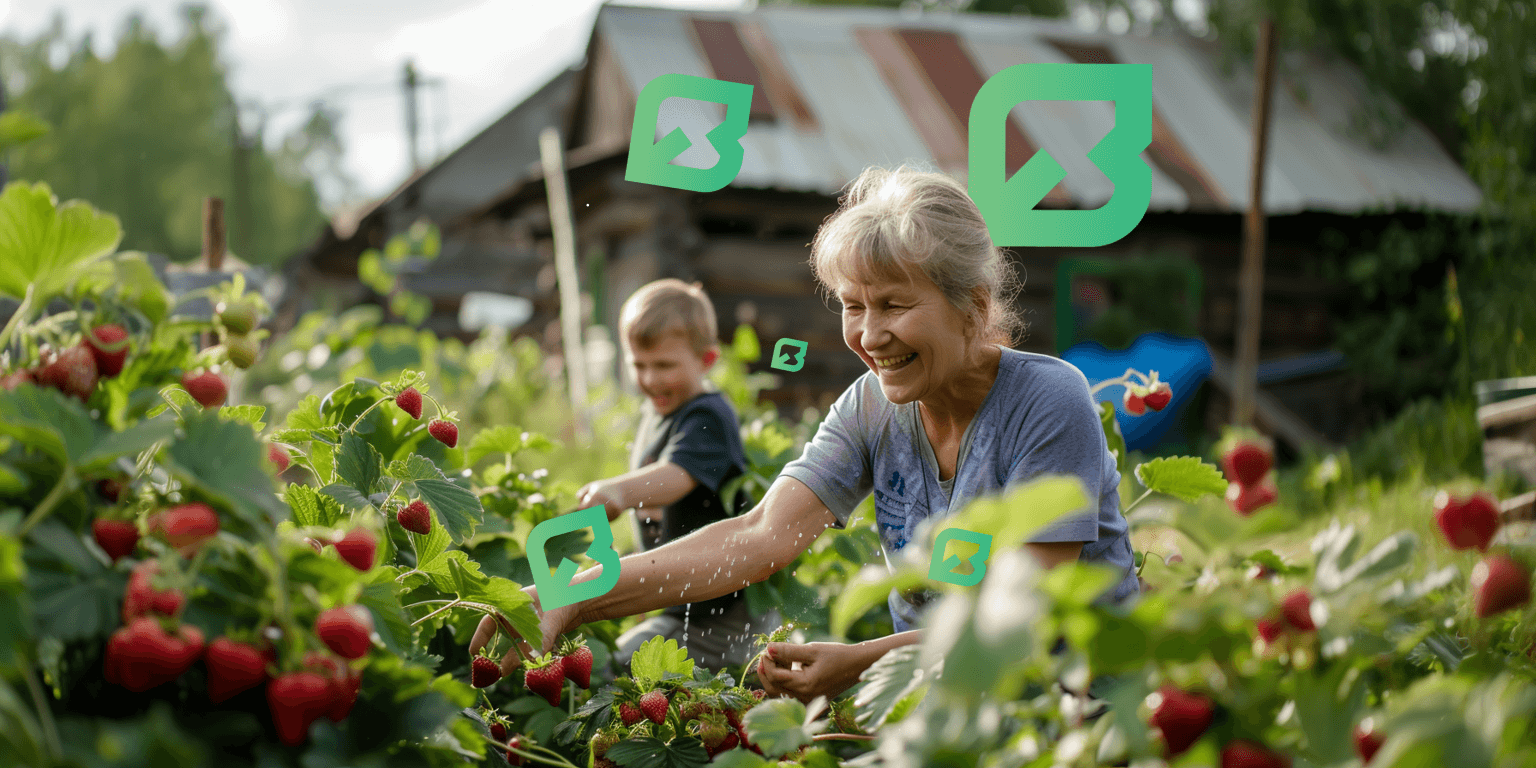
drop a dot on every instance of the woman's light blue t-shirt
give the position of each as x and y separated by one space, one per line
1037 419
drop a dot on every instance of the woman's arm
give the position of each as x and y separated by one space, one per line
715 560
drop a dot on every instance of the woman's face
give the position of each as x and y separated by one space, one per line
906 332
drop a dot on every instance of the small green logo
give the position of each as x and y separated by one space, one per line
783 361
1008 205
557 590
943 569
651 163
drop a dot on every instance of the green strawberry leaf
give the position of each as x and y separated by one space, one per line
458 507
783 725
306 415
1112 435
649 752
738 757
382 601
656 657
225 462
73 595
414 467
310 507
44 244
359 464
1393 552
887 682
1021 512
292 436
431 546
1186 477
346 495
245 414
867 589
503 439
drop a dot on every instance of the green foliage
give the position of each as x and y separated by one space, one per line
656 659
43 244
147 133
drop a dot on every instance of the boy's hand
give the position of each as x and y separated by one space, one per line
604 492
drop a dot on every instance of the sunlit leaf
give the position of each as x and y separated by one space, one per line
457 507
658 656
42 243
1185 477
648 752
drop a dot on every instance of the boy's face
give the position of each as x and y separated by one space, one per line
669 372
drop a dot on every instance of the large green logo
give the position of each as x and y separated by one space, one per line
650 163
1008 205
942 568
557 590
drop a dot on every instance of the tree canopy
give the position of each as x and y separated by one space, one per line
149 131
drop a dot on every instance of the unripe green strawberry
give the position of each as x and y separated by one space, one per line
238 318
241 351
604 740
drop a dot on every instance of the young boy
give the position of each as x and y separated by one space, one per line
687 447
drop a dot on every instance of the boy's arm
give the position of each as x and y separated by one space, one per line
653 485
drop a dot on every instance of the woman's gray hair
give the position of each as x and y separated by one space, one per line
891 221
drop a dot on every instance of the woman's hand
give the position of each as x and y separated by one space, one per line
552 624
604 492
826 669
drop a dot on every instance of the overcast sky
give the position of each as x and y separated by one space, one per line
489 54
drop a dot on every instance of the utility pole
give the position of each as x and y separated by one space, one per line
411 83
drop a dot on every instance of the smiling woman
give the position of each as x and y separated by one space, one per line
947 413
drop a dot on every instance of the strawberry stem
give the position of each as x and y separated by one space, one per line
44 713
18 318
1137 501
436 612
831 736
360 416
61 489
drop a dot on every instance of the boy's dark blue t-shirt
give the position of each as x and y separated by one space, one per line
703 437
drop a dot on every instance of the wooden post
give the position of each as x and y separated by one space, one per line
213 244
1251 278
213 233
552 155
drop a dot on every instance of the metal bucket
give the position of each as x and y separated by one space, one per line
1507 415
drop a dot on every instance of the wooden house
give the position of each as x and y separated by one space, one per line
838 89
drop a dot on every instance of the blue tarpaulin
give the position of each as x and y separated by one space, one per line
1182 362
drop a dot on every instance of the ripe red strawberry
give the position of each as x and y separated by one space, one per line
630 714
1247 754
109 345
358 548
241 350
516 742
446 432
1182 717
1247 463
731 741
73 373
546 677
147 656
741 735
207 388
186 527
141 597
1245 499
484 672
1467 523
415 517
1500 583
1135 404
759 694
498 732
409 401
1296 610
115 537
654 705
1367 742
1158 398
578 666
279 457
345 630
297 700
343 681
1269 629
233 667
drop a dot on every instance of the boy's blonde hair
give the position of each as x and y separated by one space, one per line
665 307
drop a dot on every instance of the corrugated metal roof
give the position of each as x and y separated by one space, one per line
863 74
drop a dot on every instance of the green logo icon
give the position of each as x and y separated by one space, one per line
650 163
943 568
557 590
1008 205
783 361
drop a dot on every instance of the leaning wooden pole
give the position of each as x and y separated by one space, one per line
552 155
1251 278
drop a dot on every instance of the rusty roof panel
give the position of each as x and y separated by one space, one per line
870 107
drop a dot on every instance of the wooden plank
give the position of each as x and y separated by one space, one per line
1251 296
1270 414
1516 411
